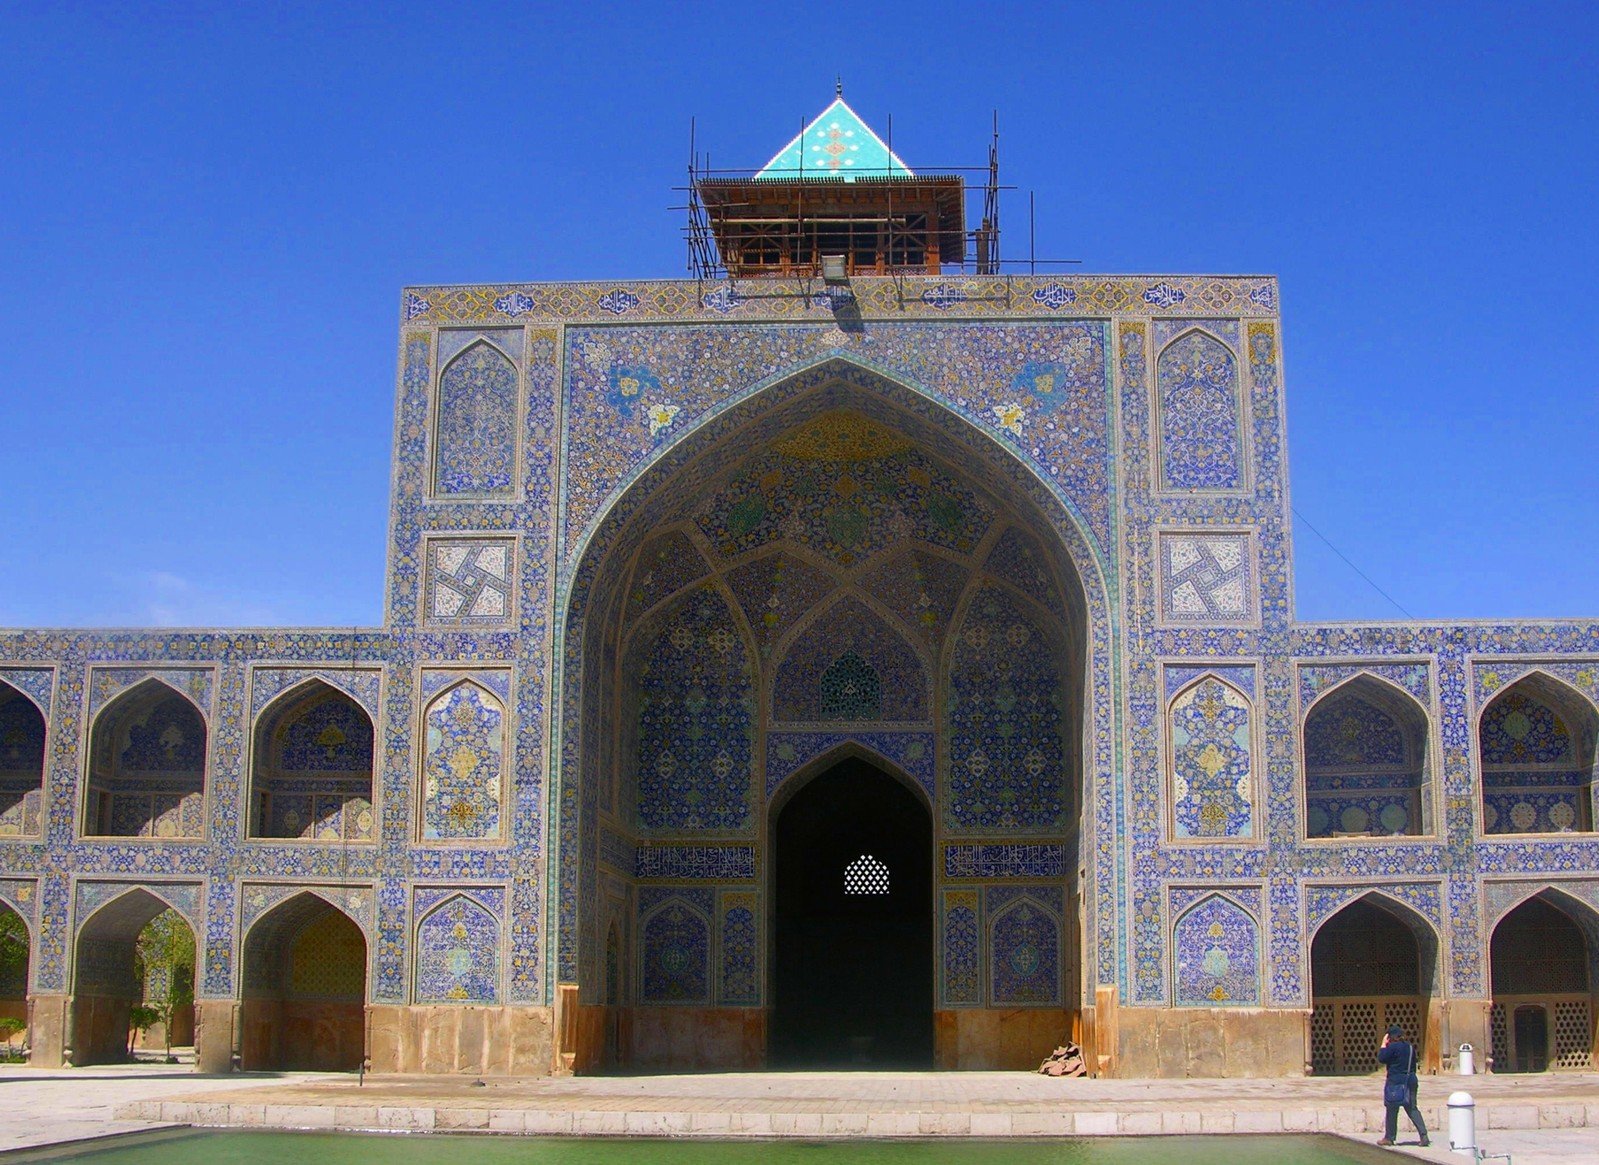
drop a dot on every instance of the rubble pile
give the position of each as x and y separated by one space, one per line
1064 1061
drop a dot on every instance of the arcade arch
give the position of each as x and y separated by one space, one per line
311 777
842 566
16 950
304 989
1372 964
1536 752
134 950
1543 967
147 759
1366 762
22 731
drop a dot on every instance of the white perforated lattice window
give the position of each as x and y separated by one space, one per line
866 875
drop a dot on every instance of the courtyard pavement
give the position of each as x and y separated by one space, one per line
1540 1120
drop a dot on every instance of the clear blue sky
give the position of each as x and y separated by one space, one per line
207 212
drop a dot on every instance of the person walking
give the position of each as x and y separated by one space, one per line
1399 1090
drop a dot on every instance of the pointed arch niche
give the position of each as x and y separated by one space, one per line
304 989
147 759
1210 729
1216 944
311 776
1199 405
474 431
457 949
848 664
22 732
1367 769
463 765
1536 752
834 567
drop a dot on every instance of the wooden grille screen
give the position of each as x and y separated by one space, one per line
1573 1034
1499 1035
1569 1022
1346 1033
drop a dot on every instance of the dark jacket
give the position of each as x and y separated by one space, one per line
1400 1057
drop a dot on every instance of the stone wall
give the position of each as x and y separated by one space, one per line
480 1041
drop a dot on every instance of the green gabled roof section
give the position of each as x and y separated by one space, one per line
836 144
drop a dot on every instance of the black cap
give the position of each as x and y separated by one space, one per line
1396 1031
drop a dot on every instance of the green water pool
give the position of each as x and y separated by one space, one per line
273 1148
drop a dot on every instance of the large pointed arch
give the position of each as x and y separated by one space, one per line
597 559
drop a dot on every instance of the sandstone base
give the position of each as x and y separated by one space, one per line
477 1041
1203 1041
978 1039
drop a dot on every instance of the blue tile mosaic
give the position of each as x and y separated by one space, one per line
1024 948
676 949
713 863
457 951
1217 946
997 860
740 950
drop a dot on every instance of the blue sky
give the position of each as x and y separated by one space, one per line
207 212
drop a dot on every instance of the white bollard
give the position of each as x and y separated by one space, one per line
1467 1062
1462 1124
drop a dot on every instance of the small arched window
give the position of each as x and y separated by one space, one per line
866 875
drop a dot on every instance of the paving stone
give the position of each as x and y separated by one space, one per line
461 1118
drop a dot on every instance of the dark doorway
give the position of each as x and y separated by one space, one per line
1532 1039
853 979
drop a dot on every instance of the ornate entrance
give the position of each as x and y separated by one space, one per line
839 570
853 912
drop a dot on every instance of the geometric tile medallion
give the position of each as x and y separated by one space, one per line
1206 577
469 582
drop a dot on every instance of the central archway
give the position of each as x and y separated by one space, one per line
839 564
852 915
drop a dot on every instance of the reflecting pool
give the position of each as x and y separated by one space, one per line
273 1148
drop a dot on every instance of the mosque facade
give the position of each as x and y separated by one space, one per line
894 667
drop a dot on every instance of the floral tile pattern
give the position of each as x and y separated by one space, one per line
1217 944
